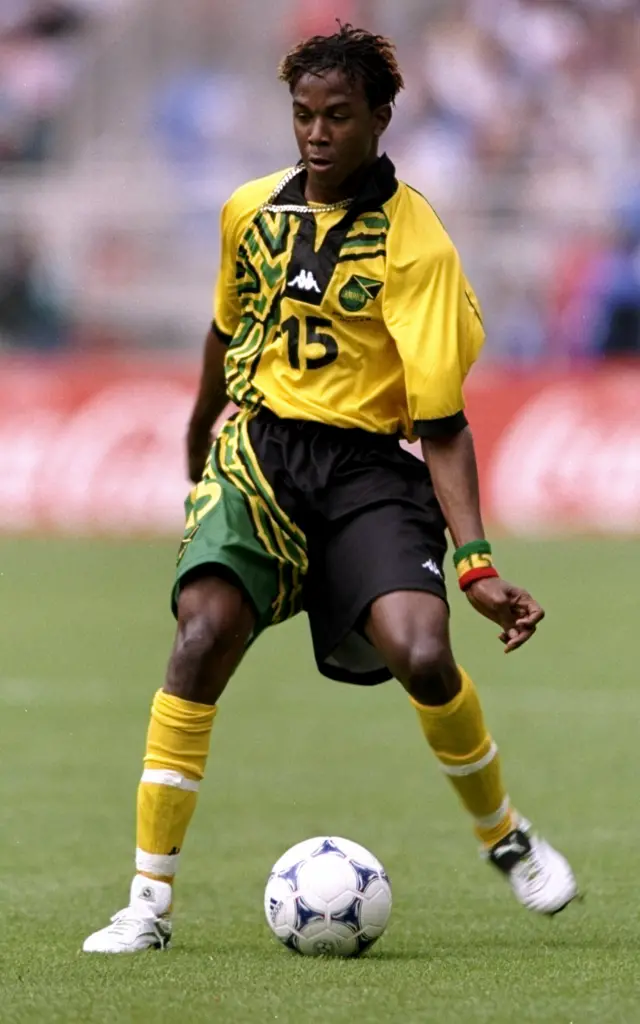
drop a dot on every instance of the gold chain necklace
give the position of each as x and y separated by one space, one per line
270 207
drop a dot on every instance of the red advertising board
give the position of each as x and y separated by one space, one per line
559 452
96 446
93 446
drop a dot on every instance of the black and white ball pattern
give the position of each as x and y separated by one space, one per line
328 896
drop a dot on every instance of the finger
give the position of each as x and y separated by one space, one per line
521 637
508 624
508 634
530 620
526 607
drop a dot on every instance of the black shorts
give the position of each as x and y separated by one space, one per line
305 515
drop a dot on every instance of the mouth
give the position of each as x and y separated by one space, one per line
319 164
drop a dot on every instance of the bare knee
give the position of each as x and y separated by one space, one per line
427 670
214 625
200 635
410 629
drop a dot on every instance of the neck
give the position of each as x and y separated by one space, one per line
315 192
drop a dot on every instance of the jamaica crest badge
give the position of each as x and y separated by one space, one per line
358 290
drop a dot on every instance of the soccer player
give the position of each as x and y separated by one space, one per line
343 321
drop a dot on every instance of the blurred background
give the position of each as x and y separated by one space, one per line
124 125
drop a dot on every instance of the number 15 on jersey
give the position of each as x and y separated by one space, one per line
311 333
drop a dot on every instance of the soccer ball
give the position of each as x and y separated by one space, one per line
328 896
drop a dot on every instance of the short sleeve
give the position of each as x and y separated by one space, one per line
434 318
226 304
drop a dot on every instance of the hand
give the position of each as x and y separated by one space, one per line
199 440
512 608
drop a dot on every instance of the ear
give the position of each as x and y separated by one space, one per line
381 118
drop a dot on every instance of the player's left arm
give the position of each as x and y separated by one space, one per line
454 472
435 320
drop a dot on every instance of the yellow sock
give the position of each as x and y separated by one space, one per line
174 763
458 737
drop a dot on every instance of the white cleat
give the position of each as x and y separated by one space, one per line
144 924
541 878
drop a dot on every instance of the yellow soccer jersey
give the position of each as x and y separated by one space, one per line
357 318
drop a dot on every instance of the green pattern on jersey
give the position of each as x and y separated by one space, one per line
366 238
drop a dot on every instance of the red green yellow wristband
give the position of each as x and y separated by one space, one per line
465 581
473 562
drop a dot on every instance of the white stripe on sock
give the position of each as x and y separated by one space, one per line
471 769
157 863
164 777
494 819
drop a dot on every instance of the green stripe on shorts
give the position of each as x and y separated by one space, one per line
232 523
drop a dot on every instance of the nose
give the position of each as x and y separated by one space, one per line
318 135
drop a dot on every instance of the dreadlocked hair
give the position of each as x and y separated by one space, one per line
354 51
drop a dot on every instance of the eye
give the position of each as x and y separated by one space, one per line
302 116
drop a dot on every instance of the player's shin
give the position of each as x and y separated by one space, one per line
174 763
457 734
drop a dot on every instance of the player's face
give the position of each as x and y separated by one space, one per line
336 130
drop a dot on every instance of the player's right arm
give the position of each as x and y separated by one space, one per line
212 397
209 405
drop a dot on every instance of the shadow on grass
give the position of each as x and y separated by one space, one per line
530 948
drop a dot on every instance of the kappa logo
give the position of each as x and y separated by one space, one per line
432 567
305 281
358 291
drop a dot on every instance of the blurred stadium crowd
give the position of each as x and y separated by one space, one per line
125 123
41 54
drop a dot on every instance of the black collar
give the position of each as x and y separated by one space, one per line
377 187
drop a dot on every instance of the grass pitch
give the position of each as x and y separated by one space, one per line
85 631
